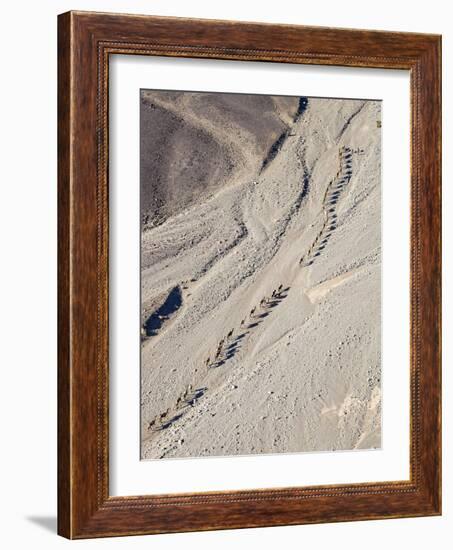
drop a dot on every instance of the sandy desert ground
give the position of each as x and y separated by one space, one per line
261 274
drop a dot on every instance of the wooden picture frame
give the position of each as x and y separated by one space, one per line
85 42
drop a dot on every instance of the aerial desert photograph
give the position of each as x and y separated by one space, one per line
260 274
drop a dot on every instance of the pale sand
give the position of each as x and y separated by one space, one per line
302 373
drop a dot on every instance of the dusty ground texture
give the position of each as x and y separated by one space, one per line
260 274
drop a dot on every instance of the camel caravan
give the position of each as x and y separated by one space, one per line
228 346
330 200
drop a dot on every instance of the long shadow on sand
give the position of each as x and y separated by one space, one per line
172 303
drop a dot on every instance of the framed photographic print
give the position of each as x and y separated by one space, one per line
249 275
